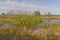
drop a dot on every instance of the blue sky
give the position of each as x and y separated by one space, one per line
31 5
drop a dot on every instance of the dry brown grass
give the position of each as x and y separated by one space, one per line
50 33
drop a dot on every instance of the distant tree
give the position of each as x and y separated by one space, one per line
37 13
12 12
3 13
49 14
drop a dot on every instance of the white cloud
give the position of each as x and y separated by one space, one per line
12 5
15 4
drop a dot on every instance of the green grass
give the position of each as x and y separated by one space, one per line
25 20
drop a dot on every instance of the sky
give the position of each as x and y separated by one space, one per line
44 6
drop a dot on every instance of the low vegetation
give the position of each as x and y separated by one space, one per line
51 33
21 29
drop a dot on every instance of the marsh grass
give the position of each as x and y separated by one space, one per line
9 33
22 30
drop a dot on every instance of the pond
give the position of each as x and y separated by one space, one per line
46 21
6 24
34 27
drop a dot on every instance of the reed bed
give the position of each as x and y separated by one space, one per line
51 33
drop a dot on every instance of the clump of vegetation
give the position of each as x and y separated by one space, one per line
9 33
23 20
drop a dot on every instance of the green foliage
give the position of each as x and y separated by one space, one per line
37 13
22 20
26 20
3 13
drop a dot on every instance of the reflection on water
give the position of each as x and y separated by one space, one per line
34 27
51 21
6 24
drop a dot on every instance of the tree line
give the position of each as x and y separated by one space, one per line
24 13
